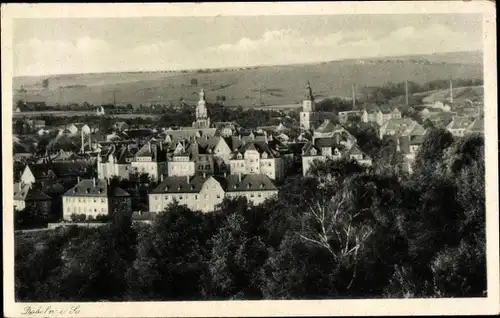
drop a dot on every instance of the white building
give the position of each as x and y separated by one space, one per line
92 197
151 159
204 193
308 115
257 158
116 161
202 119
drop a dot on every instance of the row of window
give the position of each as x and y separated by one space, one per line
86 210
84 200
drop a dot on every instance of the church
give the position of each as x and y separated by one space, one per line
308 115
202 119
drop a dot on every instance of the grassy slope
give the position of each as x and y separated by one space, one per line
280 84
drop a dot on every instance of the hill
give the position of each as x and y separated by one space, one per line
271 85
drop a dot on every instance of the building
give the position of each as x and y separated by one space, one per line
29 196
329 130
459 125
399 126
116 161
321 149
200 193
187 133
257 158
380 116
151 159
202 119
182 162
92 198
308 115
345 116
204 193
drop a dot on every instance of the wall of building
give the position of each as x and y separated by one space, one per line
90 206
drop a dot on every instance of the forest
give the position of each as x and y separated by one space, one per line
344 231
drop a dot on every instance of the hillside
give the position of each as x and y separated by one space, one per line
272 85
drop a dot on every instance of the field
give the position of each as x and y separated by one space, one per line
271 85
79 113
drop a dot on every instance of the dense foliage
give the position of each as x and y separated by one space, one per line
345 231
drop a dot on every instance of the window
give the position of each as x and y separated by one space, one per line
259 195
180 197
95 200
251 195
196 197
156 198
102 200
218 196
206 196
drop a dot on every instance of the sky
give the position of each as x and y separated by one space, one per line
64 46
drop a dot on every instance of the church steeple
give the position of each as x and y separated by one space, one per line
202 120
309 94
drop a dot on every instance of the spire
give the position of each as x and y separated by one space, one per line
202 95
309 95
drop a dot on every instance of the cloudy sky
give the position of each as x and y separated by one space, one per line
60 46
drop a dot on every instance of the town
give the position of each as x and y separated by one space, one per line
139 171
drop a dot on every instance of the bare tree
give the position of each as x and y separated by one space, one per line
331 224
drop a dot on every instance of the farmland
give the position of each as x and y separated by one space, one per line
35 114
269 85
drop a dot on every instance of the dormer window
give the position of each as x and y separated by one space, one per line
88 190
336 151
261 185
239 156
178 188
249 185
264 155
313 152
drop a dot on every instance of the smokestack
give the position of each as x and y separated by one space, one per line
353 96
406 92
83 142
451 91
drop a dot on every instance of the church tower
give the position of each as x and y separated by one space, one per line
308 113
202 119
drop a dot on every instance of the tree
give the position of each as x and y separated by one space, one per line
45 83
432 149
194 82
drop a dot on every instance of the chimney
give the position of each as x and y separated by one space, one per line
90 141
406 92
78 178
204 175
451 91
149 145
83 142
161 145
353 96
187 179
225 174
93 182
109 181
161 177
239 177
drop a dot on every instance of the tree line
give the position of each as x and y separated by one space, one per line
344 231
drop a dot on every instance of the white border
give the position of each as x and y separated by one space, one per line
489 305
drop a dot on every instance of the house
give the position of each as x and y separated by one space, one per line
116 161
397 126
459 125
345 116
257 158
204 193
182 162
175 135
29 196
106 109
36 124
329 130
321 149
92 197
151 159
380 116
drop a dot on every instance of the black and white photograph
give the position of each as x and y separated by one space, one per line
228 157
